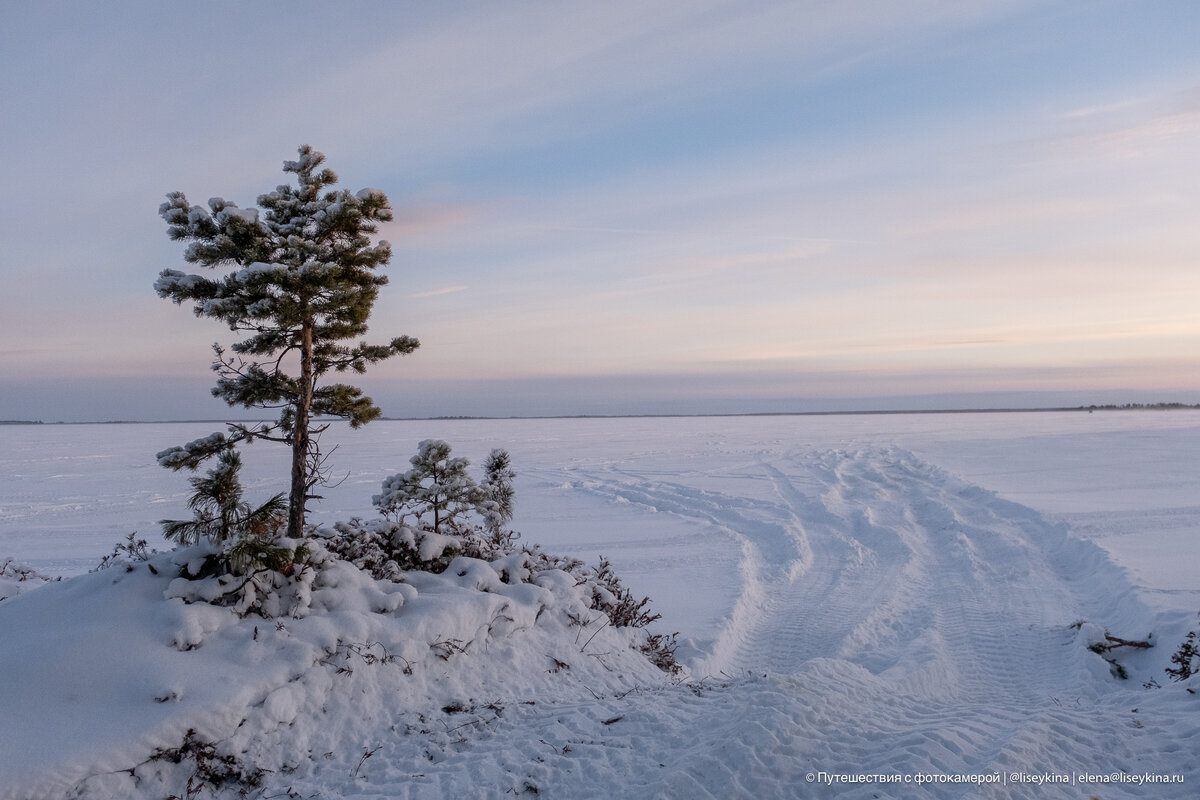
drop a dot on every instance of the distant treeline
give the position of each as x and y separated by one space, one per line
1138 406
1105 407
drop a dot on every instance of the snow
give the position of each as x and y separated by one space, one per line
171 279
257 269
106 648
228 210
869 601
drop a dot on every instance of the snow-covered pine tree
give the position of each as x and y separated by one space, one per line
304 281
496 502
437 488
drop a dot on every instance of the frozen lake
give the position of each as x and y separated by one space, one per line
1123 479
897 594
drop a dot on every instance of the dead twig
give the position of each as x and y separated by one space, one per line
366 754
1116 641
593 636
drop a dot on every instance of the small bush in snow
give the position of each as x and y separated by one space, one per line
615 600
20 572
387 549
126 552
17 578
1186 659
270 579
496 501
660 649
211 769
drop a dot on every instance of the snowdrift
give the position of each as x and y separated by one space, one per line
115 678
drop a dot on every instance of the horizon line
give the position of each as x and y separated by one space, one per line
1160 406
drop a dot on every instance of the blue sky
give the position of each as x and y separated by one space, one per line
627 207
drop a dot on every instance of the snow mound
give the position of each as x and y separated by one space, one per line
18 578
164 689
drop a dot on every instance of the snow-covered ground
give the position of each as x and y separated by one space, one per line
884 596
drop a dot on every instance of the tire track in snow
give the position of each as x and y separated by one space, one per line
969 591
773 548
893 620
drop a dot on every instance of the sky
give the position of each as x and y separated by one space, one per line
627 207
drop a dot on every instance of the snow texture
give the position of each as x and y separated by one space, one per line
906 598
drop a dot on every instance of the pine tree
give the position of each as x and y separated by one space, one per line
437 488
219 513
303 282
496 502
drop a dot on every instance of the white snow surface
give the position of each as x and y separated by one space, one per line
868 606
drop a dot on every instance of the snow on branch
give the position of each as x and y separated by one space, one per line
190 455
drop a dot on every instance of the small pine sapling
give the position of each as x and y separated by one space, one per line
437 491
438 494
247 535
496 496
219 514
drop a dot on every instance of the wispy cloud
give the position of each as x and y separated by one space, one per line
1143 139
1131 128
625 187
438 292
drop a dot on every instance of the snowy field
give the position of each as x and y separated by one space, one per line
886 596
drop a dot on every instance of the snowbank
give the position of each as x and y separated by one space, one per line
136 670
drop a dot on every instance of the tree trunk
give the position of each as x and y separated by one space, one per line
299 491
